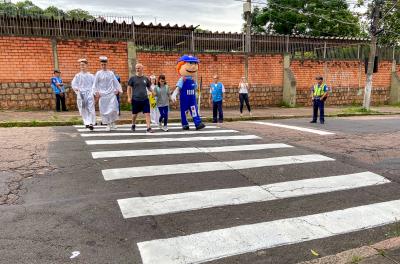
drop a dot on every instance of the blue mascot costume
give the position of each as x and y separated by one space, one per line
186 87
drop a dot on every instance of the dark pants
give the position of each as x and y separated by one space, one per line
217 107
60 99
244 97
119 105
163 115
317 103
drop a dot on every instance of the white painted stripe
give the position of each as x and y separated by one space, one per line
172 151
160 133
148 171
103 129
181 202
304 129
156 140
137 125
221 243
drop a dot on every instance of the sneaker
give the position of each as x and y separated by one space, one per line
87 126
113 126
313 121
149 130
108 128
200 126
91 127
133 127
165 128
250 114
241 114
185 127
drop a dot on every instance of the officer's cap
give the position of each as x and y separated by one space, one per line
103 59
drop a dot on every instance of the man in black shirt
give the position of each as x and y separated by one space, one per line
138 88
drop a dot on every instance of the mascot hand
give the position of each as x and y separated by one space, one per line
174 94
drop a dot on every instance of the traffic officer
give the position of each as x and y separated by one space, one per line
319 93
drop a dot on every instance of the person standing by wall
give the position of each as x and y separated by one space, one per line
162 93
244 95
138 89
59 90
319 94
106 87
83 87
217 91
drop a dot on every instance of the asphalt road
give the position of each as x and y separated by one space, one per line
320 192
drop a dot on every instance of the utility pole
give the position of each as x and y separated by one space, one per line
247 16
371 61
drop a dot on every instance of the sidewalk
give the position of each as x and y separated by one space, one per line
51 118
384 252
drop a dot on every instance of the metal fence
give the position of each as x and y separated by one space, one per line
187 39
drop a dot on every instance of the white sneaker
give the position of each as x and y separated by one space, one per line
113 126
108 128
165 129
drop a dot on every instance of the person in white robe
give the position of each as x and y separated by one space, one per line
105 87
83 87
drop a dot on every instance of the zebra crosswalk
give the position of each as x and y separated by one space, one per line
230 152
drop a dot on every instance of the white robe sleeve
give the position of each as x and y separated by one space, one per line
75 83
95 88
117 85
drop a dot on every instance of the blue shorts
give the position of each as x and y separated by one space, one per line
140 106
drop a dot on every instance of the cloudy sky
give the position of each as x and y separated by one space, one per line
215 15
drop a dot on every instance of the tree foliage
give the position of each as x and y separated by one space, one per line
28 8
312 18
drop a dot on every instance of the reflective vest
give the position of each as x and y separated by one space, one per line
216 92
319 90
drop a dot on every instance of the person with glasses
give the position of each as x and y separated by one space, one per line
138 88
319 94
106 87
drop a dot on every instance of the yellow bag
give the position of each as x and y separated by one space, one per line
152 100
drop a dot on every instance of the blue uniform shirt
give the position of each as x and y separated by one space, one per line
54 81
179 84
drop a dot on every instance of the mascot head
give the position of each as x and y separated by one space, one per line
188 65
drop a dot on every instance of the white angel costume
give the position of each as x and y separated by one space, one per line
83 87
106 84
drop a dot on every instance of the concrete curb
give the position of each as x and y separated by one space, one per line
363 253
205 119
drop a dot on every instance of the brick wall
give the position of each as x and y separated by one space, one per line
265 74
345 78
26 65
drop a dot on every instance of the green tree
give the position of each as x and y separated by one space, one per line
312 18
53 11
28 8
390 23
79 14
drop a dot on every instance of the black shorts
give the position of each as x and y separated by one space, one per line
140 106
